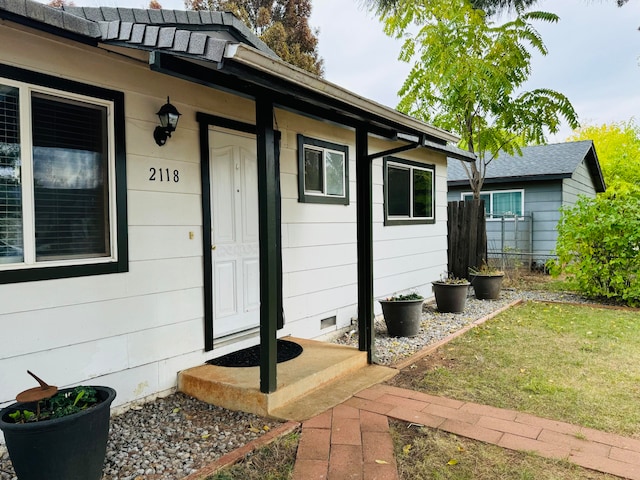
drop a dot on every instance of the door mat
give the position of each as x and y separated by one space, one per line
250 357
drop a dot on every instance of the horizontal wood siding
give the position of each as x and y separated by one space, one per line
543 199
136 330
580 183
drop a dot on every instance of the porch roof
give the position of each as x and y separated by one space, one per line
218 49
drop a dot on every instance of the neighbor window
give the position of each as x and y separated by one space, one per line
58 211
323 171
501 203
408 192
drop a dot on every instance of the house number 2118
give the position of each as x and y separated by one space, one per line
163 175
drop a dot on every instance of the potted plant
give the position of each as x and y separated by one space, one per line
58 434
402 314
486 281
451 293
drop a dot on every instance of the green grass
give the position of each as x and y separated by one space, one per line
573 363
424 453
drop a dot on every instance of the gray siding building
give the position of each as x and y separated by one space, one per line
523 195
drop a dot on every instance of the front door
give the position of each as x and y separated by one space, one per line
234 235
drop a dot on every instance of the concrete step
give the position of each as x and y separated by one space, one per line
239 388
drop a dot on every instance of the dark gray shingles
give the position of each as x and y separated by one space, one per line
141 15
137 33
215 49
205 17
169 16
81 26
104 29
126 15
165 39
93 14
538 160
114 30
197 43
125 31
14 6
53 17
216 18
155 16
77 11
181 17
35 11
193 17
151 36
110 14
181 42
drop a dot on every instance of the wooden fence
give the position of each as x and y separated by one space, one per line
467 236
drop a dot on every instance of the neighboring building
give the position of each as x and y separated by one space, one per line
523 195
124 262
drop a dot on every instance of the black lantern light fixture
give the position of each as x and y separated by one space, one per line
168 115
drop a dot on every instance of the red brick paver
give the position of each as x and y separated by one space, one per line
352 441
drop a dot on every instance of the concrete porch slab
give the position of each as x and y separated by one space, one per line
320 365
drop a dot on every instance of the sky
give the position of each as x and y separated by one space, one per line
593 59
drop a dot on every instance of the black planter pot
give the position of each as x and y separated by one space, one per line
67 448
402 317
487 287
450 297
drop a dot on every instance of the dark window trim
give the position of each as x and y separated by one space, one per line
119 142
410 163
328 199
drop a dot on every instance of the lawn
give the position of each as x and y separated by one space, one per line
578 364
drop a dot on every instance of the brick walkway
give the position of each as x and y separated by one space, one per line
352 440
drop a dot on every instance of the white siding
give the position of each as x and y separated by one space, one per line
134 331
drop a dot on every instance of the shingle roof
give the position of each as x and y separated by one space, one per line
539 162
191 33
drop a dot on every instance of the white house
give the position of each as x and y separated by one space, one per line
281 205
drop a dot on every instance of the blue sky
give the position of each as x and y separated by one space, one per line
593 54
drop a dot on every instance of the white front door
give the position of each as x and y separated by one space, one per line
235 241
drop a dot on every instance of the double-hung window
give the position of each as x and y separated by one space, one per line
409 192
501 203
58 205
323 171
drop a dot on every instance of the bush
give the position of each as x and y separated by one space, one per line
599 245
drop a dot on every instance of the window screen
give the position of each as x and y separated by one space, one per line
11 237
70 178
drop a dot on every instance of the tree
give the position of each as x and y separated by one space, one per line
155 5
618 148
282 24
467 76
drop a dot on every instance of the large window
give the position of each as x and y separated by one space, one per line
501 203
409 189
58 176
323 171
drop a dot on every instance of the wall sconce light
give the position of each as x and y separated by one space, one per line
168 115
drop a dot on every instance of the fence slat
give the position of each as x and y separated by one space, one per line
467 236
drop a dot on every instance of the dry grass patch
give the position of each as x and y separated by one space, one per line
271 462
577 364
423 453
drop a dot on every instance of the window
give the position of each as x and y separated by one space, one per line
408 192
323 171
501 203
58 174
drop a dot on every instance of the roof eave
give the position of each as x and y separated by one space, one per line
257 60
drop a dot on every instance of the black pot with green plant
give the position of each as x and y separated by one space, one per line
402 314
451 293
486 282
53 434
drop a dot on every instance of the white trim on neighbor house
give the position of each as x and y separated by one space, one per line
491 216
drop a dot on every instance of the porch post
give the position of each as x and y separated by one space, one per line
364 212
270 243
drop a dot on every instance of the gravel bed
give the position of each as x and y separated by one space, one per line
174 436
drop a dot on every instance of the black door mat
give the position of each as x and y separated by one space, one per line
250 357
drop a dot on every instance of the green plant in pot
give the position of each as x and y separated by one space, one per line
58 434
402 314
486 281
451 293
